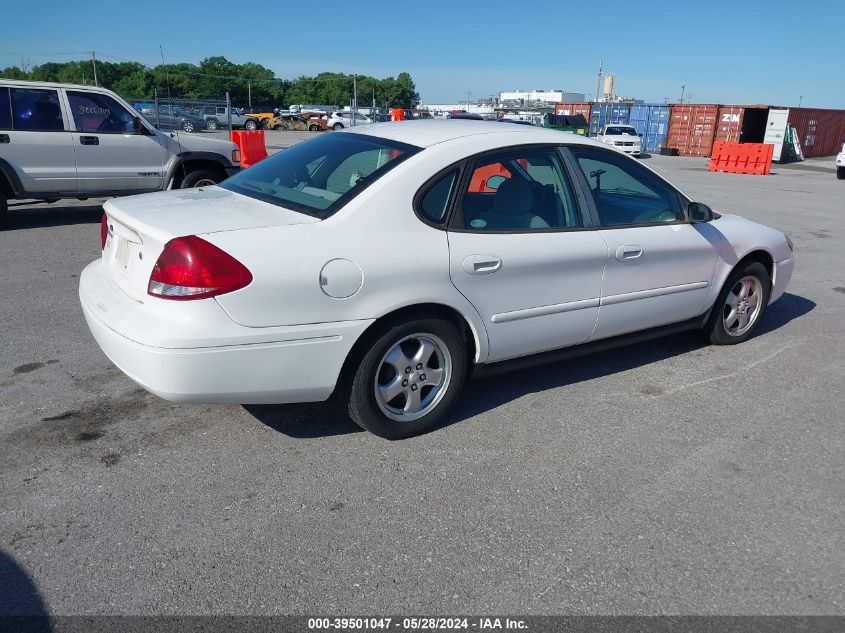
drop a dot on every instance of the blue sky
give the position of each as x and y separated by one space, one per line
768 52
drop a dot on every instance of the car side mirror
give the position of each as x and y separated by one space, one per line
698 212
138 127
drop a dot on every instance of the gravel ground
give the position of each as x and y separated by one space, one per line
667 477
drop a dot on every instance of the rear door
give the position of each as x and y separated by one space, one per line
35 141
113 152
659 265
521 252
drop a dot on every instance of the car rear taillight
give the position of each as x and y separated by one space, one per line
191 268
104 231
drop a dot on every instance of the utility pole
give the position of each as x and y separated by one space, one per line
683 88
800 99
94 63
598 79
354 97
249 91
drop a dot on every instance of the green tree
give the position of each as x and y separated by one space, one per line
216 75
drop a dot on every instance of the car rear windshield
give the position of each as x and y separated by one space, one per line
621 130
318 177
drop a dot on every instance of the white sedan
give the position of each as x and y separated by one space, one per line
388 263
623 137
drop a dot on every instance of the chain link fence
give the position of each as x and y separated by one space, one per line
218 115
197 115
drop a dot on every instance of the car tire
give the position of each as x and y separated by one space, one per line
4 212
337 126
187 126
313 128
733 318
840 173
251 125
201 178
390 360
212 125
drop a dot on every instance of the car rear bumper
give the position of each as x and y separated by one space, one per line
782 274
236 365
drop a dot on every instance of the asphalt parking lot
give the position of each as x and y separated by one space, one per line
667 477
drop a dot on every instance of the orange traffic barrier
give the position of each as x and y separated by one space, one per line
742 158
251 144
397 114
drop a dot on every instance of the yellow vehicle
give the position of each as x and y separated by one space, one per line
264 118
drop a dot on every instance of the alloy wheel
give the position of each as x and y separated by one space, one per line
412 377
742 305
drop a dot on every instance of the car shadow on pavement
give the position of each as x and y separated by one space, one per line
330 418
25 216
307 420
22 607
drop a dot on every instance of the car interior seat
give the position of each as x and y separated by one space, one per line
513 207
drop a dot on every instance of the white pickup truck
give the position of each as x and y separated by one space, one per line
66 141
840 163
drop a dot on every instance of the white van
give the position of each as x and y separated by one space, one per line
66 141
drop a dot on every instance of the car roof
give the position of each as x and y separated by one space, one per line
50 84
428 132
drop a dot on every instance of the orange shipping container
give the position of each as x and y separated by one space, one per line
692 128
571 109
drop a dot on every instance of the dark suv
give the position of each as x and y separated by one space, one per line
170 117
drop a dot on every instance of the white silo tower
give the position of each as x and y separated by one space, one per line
608 87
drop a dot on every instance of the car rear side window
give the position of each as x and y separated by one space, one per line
434 203
318 177
93 112
518 190
36 110
5 110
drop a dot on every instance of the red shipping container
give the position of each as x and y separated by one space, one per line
741 124
571 109
692 128
820 132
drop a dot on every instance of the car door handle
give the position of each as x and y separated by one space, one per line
89 140
482 264
627 252
4 138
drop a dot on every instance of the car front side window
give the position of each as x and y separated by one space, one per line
97 113
626 193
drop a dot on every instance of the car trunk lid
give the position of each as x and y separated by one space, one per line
140 226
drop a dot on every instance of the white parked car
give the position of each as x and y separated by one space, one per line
344 118
386 264
622 137
840 164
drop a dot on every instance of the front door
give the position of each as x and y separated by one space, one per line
113 153
659 266
519 252
36 142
